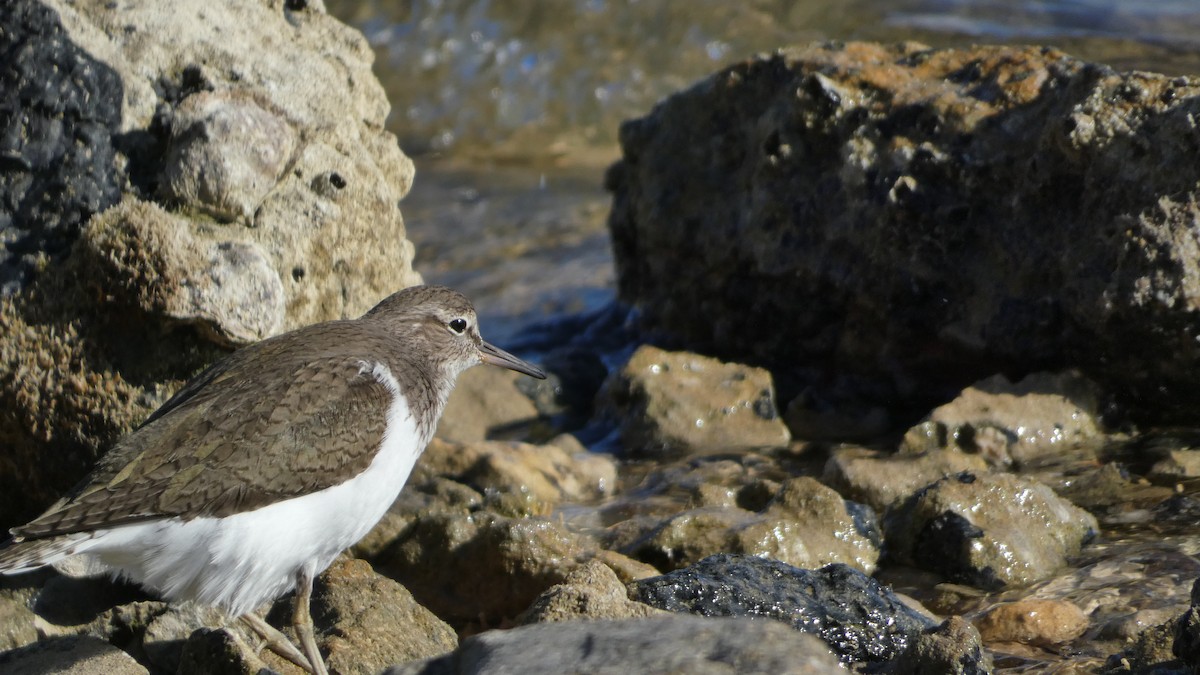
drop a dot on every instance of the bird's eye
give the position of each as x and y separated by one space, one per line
458 326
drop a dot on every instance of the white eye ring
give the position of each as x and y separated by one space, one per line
458 325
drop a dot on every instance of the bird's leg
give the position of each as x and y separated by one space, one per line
302 621
274 640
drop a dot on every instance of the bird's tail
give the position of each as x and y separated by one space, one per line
18 556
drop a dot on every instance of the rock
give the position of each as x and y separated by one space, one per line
952 648
229 289
676 403
369 622
546 474
57 144
988 530
225 153
862 621
805 525
1008 422
77 655
1187 631
16 617
658 645
883 480
221 650
1042 623
114 292
167 636
591 591
885 189
481 566
486 403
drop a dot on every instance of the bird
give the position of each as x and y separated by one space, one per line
258 472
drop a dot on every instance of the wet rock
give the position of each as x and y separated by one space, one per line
481 566
78 655
369 622
1007 423
794 171
1043 623
225 152
805 524
671 644
953 648
1187 631
486 403
861 620
676 403
989 530
591 591
883 480
106 310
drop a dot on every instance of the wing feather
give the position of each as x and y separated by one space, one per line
218 450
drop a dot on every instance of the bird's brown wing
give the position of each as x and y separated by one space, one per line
249 442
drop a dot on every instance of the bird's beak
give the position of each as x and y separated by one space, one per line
493 355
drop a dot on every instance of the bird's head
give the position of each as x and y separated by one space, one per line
442 322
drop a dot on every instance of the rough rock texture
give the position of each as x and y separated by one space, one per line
79 655
671 644
988 530
370 622
883 479
481 567
861 620
57 149
546 474
953 648
590 591
174 179
1035 622
939 214
1007 422
676 403
805 524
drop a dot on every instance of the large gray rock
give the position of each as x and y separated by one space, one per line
177 179
923 217
658 645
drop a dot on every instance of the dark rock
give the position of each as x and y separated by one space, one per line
886 189
658 645
861 620
62 109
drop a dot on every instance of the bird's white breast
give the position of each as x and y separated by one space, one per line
239 562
